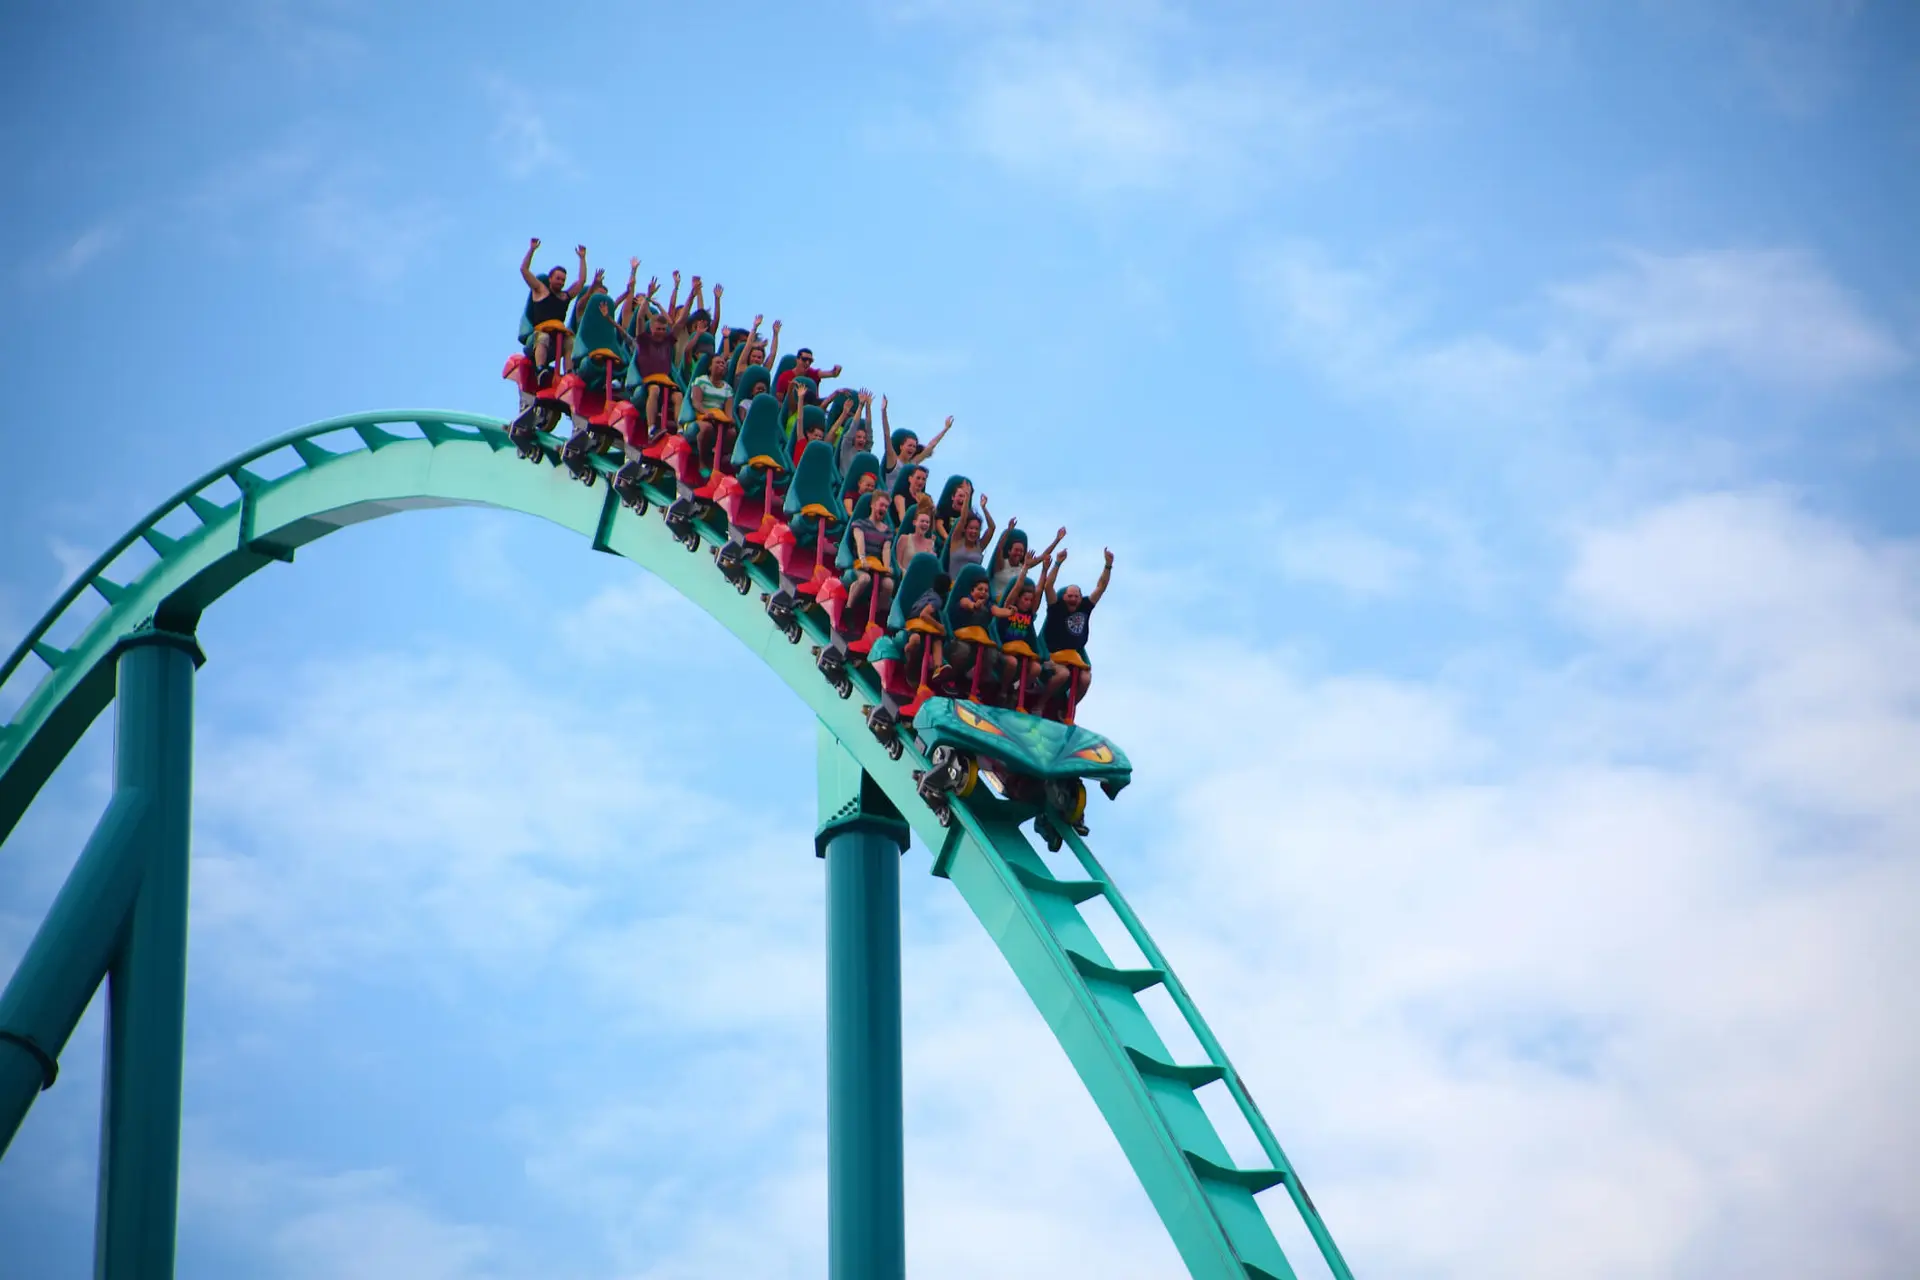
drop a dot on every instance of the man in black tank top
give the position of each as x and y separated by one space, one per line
547 298
1064 631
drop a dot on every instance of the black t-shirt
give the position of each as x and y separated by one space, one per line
964 615
1064 630
551 307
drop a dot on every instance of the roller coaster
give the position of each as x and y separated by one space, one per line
964 775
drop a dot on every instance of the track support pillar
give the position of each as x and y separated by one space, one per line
122 916
862 836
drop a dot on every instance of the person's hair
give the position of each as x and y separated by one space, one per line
804 351
700 314
556 267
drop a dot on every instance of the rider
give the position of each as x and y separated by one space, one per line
969 543
872 561
1065 632
653 360
547 298
903 446
1019 635
711 410
803 367
1012 557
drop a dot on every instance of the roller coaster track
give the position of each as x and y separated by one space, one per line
259 509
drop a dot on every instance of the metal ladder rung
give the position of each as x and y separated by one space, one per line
1193 1076
1252 1179
1074 891
1135 980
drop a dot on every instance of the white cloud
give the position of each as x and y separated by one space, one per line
71 558
299 1224
82 251
1803 643
1626 960
322 204
523 141
1770 314
1096 99
1761 320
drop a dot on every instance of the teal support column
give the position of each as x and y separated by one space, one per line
147 984
862 836
86 930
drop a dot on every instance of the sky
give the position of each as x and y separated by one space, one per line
1505 417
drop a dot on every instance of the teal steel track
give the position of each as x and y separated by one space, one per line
260 508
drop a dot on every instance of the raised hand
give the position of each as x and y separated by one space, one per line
756 323
1061 535
718 289
580 249
776 326
533 243
949 420
635 264
983 502
676 279
1109 554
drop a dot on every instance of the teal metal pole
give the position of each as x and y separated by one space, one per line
862 837
866 1198
147 984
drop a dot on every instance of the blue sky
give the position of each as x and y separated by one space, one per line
1505 419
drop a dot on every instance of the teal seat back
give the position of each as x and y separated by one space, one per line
600 331
837 401
915 581
813 486
863 464
760 433
750 382
969 576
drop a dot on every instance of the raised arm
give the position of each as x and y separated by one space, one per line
1049 577
717 291
633 281
986 534
848 408
938 436
534 283
673 302
1106 576
773 349
889 459
1058 538
580 281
